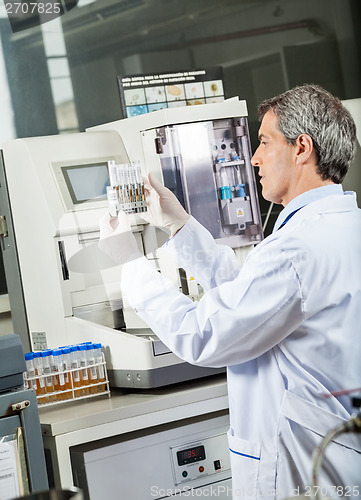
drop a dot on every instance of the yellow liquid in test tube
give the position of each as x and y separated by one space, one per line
49 384
38 366
99 359
67 374
92 369
75 373
59 376
84 378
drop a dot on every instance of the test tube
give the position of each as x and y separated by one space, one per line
84 378
99 359
112 197
58 372
121 189
75 364
66 367
29 380
128 183
133 186
38 366
49 384
126 186
112 169
92 371
140 184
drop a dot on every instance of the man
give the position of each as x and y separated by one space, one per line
287 324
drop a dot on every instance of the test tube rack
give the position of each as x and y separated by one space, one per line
76 392
126 191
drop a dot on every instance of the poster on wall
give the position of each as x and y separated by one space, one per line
145 93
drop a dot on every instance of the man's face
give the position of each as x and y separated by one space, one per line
275 158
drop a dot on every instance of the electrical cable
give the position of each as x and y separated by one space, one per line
352 425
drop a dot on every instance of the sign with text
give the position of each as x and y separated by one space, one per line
150 92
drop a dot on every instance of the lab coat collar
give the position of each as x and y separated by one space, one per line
305 199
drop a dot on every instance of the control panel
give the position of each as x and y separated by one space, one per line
199 459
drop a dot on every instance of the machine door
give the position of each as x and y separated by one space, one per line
207 165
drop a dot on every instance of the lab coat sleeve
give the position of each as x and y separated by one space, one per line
195 250
232 323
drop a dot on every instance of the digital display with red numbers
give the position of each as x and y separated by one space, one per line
191 455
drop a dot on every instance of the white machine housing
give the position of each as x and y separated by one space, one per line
99 470
202 154
56 190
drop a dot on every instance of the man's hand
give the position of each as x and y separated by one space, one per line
117 239
164 209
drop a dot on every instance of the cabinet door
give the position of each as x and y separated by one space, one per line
13 471
21 428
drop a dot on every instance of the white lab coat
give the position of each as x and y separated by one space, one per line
287 326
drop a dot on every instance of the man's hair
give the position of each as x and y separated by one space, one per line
311 110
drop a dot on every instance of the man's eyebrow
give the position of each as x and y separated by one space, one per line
262 136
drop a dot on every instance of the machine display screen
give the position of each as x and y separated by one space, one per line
191 455
87 182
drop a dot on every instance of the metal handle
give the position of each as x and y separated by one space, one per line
3 226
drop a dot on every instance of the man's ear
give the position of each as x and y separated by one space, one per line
304 148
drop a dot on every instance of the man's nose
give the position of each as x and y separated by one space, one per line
255 159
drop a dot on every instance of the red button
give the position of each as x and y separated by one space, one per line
201 468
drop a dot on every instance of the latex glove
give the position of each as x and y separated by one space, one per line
117 239
163 207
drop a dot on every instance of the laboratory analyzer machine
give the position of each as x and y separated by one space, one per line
53 194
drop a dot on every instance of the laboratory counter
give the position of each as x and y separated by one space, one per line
79 422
